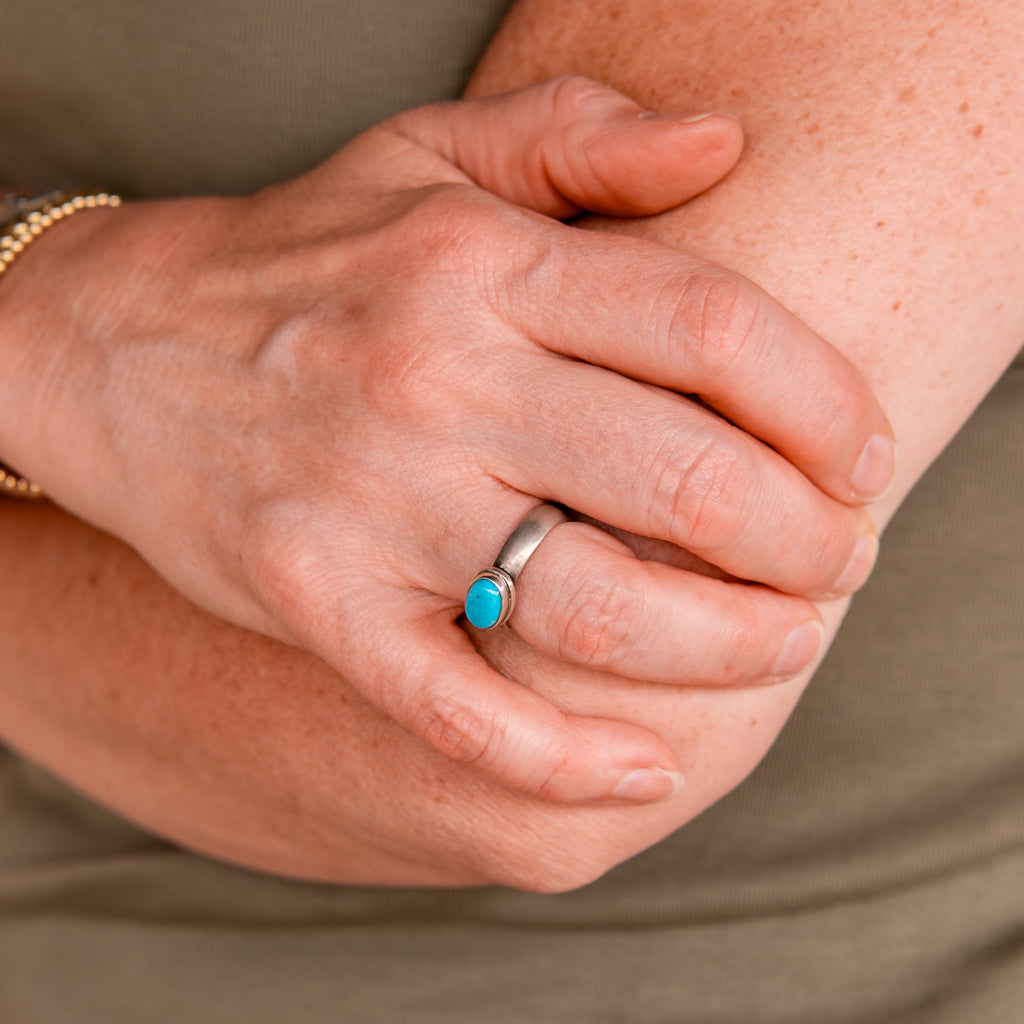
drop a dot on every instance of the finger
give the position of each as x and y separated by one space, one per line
584 597
425 673
653 463
673 320
574 144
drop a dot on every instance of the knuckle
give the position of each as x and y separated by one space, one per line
823 541
603 613
437 241
453 226
289 569
852 410
569 93
744 647
700 495
456 730
476 254
828 556
722 318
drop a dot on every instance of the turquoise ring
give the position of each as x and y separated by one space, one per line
492 594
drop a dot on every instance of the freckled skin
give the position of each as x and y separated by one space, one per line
860 176
891 181
852 119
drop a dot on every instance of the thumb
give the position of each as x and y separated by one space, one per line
574 144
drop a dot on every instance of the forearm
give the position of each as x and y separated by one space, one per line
188 726
251 411
269 702
879 195
257 753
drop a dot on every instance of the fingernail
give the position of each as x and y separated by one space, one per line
799 649
654 115
694 118
648 786
875 469
859 567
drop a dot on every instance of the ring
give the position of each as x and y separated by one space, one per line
492 594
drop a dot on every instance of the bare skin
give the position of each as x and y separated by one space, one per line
313 410
329 809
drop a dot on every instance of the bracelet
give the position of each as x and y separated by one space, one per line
14 486
22 220
28 218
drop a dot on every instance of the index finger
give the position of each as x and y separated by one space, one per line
653 313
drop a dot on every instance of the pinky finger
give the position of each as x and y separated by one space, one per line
431 680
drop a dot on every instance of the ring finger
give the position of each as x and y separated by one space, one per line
584 597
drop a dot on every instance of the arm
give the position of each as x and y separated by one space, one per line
719 735
247 749
254 752
318 410
880 195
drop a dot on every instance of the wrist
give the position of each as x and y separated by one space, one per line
24 218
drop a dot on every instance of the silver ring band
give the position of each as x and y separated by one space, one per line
492 594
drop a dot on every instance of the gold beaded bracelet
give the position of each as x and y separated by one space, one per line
22 220
14 486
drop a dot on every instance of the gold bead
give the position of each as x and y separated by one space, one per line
22 233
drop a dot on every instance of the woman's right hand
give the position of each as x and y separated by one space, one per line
318 411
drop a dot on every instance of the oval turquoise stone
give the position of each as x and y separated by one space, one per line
483 604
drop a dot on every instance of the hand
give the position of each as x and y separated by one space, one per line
320 410
255 752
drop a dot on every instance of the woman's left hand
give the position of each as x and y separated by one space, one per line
319 410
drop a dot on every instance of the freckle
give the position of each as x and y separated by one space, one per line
753 721
896 306
964 107
854 256
908 94
978 131
813 129
880 224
